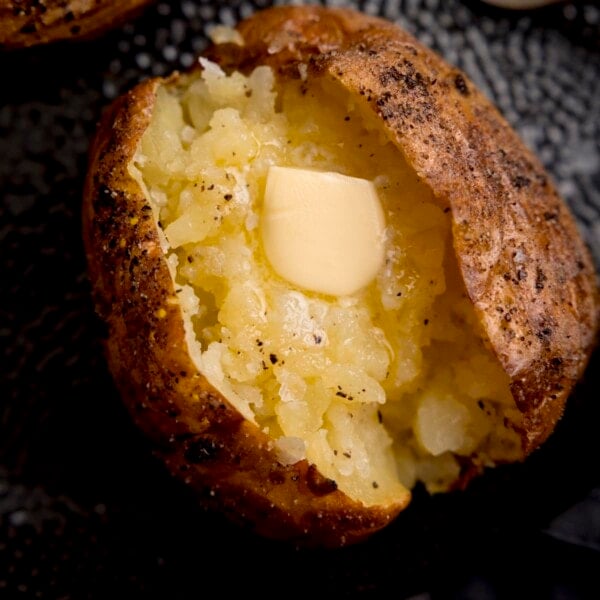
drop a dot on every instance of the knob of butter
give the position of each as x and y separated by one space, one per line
322 231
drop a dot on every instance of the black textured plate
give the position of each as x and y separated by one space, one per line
86 512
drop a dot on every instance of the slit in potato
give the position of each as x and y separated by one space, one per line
390 386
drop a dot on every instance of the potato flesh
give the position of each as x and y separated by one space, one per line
381 389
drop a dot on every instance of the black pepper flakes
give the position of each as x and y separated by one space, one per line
273 358
201 450
318 484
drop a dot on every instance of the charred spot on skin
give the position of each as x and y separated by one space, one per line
540 279
520 182
390 76
318 484
28 28
201 450
277 477
461 85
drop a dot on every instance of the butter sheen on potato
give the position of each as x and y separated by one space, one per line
311 415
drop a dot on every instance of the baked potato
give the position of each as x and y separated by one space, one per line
25 23
330 271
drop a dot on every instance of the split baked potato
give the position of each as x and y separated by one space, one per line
302 367
25 23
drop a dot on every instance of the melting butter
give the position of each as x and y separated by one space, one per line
322 231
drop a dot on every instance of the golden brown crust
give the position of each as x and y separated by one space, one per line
25 23
200 436
523 262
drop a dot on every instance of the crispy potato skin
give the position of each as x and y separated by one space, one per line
25 23
525 267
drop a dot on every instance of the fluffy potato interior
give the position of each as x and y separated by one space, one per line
382 389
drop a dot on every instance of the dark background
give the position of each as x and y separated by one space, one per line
87 512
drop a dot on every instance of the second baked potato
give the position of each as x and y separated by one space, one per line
330 270
27 23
